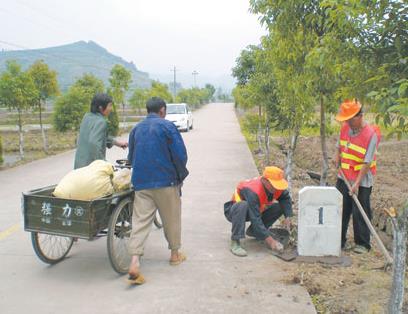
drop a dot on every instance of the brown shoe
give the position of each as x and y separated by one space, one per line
136 279
181 258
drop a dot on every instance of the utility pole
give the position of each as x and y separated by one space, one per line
174 70
195 73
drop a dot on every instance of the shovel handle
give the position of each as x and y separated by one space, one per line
368 222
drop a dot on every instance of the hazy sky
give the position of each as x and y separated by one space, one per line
202 35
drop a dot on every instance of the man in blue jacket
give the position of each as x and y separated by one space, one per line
159 157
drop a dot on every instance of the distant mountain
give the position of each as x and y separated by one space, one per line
73 60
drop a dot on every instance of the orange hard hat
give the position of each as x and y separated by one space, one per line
348 109
275 176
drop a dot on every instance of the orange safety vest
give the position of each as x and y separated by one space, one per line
256 186
353 150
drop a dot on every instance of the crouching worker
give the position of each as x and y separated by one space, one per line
261 201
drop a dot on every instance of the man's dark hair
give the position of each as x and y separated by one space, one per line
154 104
99 102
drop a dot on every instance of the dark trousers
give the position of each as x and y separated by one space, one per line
237 214
360 228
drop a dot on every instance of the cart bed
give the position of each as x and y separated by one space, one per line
45 213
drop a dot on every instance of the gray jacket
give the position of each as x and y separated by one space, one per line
92 140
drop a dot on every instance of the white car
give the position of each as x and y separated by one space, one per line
180 115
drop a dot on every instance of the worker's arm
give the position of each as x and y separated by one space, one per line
285 202
178 152
254 213
336 159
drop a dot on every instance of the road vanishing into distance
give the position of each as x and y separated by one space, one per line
212 280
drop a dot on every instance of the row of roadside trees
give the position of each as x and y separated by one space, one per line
28 91
25 90
318 53
192 96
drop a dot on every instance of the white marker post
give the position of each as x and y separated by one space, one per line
319 221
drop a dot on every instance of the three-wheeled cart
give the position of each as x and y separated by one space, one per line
55 223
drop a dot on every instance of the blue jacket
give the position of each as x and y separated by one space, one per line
157 154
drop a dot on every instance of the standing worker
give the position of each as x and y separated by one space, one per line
261 201
355 156
159 157
93 133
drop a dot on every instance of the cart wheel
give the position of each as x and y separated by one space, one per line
120 227
49 248
157 221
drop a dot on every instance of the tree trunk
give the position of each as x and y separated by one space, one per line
400 250
289 158
325 166
259 132
44 135
267 142
20 132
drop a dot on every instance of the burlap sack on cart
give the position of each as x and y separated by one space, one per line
121 179
87 183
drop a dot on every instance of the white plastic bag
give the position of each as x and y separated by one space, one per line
121 179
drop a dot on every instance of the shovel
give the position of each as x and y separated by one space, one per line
367 221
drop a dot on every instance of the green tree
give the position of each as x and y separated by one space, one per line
193 96
311 38
70 108
183 96
243 95
210 91
119 80
245 65
160 90
18 92
138 99
46 83
90 84
381 33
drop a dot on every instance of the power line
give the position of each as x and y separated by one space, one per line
25 18
41 13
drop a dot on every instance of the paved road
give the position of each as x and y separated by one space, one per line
212 280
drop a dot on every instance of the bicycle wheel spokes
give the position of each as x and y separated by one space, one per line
120 227
53 246
49 248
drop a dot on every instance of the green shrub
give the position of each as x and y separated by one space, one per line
113 122
70 108
250 123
